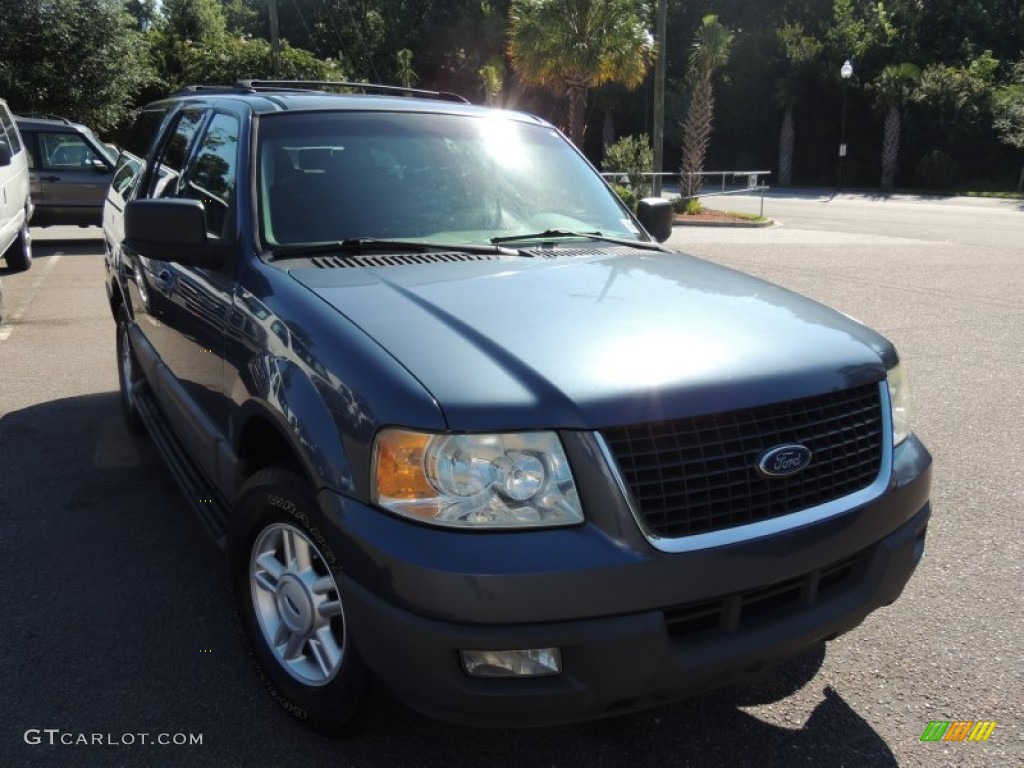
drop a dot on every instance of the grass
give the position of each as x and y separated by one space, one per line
746 216
1003 195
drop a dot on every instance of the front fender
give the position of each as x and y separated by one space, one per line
282 393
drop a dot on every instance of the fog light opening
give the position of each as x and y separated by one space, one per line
535 662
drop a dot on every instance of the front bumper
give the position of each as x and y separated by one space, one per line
632 623
611 665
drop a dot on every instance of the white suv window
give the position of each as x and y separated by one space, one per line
7 124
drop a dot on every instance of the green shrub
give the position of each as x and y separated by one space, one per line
633 157
626 195
936 170
686 205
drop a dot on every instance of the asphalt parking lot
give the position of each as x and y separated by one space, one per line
118 620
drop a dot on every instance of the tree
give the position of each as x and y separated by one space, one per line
632 157
574 45
958 99
492 80
892 91
83 59
228 59
709 53
1009 114
186 29
196 20
145 12
860 32
803 58
407 76
191 44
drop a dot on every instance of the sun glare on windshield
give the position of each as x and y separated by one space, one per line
503 143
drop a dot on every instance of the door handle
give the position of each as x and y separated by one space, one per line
50 178
164 281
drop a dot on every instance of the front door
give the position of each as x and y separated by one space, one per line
70 178
188 307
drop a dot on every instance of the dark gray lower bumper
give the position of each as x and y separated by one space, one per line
615 664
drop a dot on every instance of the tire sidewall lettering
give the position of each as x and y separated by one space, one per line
290 508
293 709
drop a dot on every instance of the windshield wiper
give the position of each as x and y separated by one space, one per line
357 245
551 234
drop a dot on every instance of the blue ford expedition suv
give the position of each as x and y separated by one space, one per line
467 431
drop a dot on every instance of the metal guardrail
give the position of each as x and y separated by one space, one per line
753 182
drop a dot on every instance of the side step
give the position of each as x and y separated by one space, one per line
206 500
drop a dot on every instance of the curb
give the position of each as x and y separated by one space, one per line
739 223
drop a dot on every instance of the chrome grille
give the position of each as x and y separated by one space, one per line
698 475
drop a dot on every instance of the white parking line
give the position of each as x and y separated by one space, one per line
7 328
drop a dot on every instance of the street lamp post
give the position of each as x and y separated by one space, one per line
659 97
846 72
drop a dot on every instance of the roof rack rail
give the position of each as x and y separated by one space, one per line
310 85
44 116
206 89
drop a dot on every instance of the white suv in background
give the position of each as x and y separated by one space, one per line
15 201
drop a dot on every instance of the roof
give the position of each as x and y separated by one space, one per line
36 120
284 96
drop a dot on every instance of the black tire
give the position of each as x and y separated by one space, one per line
19 254
326 694
128 372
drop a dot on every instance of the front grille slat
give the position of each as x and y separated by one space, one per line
699 474
708 620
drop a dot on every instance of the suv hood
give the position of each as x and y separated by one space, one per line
593 341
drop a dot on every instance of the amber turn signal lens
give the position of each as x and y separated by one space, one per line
399 469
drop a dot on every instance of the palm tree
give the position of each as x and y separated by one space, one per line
406 74
491 76
892 91
574 45
709 53
803 54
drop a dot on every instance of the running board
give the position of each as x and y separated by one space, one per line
206 500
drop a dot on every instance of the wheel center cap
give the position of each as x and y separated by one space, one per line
295 605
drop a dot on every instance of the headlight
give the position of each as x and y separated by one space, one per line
475 481
899 398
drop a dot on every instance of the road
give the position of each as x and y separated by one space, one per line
118 620
968 221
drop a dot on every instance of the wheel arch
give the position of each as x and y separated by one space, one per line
115 297
288 422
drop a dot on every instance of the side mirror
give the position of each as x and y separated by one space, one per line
5 153
171 230
99 166
656 214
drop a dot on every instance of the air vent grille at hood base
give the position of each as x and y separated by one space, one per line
398 259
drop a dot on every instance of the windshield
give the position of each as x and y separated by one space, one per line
326 177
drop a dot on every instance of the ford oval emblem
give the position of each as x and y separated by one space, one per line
784 460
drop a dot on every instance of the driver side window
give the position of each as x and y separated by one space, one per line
170 164
211 178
